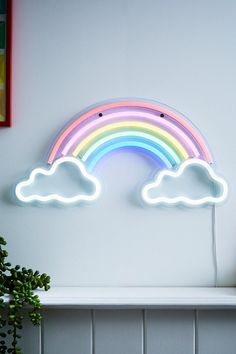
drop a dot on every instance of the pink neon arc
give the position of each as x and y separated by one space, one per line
192 131
110 117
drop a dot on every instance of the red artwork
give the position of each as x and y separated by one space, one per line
5 62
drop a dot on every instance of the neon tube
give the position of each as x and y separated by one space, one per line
164 148
56 197
158 154
192 131
158 121
183 199
91 139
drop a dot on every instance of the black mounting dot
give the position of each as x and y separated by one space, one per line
100 114
162 115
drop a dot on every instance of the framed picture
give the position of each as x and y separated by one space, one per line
5 62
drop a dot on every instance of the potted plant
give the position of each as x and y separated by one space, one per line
17 284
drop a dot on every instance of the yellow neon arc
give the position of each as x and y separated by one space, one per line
88 141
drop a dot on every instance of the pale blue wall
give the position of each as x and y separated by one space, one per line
70 54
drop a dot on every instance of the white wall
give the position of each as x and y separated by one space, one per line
71 54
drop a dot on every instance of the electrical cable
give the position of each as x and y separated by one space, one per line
214 245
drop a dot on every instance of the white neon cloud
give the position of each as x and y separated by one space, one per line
56 197
218 181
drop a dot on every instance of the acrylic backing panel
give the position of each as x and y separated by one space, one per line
144 127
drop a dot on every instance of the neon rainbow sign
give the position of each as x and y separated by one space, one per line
151 127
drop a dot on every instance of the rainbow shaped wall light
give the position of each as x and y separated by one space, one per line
158 130
154 128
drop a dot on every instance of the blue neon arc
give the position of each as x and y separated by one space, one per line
135 139
94 158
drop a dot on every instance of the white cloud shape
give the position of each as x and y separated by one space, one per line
58 197
217 183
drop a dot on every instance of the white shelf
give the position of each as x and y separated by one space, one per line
138 297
